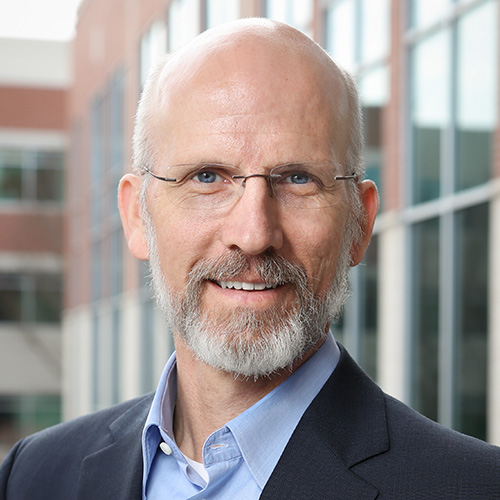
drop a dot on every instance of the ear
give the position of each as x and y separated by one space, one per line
368 196
129 191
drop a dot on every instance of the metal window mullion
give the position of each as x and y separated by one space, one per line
27 298
29 175
447 255
405 185
446 321
411 317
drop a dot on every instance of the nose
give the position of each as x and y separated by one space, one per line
254 223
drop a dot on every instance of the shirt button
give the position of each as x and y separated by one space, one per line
166 448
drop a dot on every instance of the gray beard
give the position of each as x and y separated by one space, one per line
246 342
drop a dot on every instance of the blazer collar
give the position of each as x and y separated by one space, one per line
344 426
115 471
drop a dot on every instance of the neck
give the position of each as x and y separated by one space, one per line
208 398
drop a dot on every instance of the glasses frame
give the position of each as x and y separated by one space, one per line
268 177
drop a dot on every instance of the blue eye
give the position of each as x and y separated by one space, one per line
299 178
206 177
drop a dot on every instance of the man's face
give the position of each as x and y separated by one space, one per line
252 115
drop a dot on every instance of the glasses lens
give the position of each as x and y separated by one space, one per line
310 185
201 186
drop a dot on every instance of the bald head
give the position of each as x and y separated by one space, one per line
256 76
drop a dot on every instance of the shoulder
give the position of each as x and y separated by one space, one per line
413 431
60 450
97 425
434 445
425 453
394 447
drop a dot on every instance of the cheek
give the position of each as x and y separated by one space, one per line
317 245
182 241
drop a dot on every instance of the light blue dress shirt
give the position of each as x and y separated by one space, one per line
240 457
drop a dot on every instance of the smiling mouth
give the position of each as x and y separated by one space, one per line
243 285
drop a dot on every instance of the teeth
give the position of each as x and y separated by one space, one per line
242 285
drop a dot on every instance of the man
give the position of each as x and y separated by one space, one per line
248 201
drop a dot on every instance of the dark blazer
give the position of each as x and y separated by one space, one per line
353 443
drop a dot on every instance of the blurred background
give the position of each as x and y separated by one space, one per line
78 328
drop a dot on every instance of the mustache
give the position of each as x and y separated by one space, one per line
270 267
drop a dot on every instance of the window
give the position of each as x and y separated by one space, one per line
374 94
26 414
220 11
471 320
357 328
183 22
28 297
367 286
425 12
297 13
454 104
153 45
357 31
357 38
431 113
107 146
476 99
425 299
31 175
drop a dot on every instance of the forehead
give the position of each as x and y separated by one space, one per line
249 99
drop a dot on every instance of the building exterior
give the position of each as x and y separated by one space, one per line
424 319
34 81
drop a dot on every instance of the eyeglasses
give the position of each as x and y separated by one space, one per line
206 186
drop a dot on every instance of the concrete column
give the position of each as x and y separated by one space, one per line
493 434
392 342
130 358
77 362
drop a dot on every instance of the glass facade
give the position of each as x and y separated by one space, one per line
451 119
453 115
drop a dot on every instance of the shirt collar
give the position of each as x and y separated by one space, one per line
156 425
274 416
263 430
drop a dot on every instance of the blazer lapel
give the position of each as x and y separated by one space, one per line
344 426
309 470
115 471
